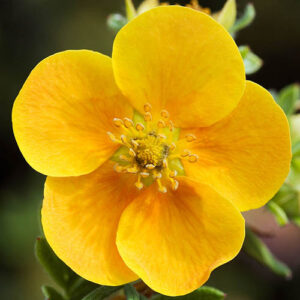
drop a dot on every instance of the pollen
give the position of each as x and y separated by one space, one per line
151 147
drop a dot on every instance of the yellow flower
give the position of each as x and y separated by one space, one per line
115 222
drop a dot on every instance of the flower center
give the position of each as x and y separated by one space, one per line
151 150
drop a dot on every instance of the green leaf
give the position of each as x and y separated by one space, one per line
130 10
288 197
278 213
101 292
132 294
245 20
296 221
80 288
58 270
294 121
227 15
251 61
258 250
296 149
203 293
51 294
288 97
116 21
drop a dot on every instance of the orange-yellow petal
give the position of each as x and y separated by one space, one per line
80 216
181 60
63 111
174 240
246 156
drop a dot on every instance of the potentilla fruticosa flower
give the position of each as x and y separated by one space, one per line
151 154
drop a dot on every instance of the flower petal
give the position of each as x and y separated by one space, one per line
181 60
63 111
174 240
246 156
80 216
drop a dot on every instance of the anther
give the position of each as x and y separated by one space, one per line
147 107
118 168
165 163
161 124
173 173
157 175
185 153
161 188
139 185
175 185
147 116
193 158
190 137
132 170
128 122
134 143
173 146
123 139
165 114
131 152
112 137
139 127
162 136
144 174
170 125
118 122
124 157
150 166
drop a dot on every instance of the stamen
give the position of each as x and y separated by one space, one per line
172 173
112 137
165 114
165 163
185 153
123 139
119 169
124 157
193 158
172 146
162 136
139 127
161 124
139 184
150 166
157 175
175 185
147 116
170 125
190 137
118 122
134 143
131 152
128 122
133 170
144 174
147 107
161 188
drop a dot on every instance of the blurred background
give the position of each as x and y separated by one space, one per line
31 30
